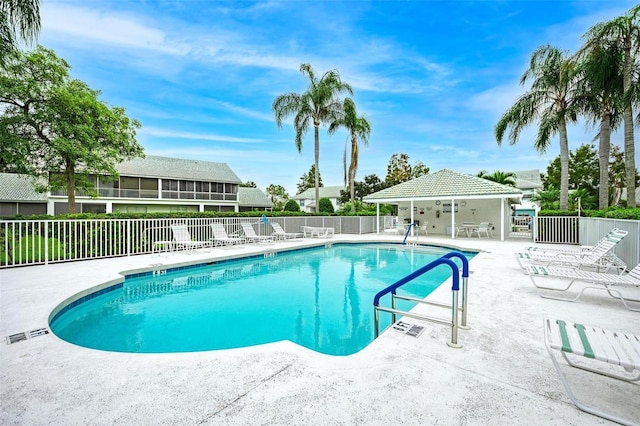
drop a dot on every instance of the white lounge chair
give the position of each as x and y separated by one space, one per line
611 283
251 236
615 232
280 234
318 231
599 257
182 238
220 236
594 345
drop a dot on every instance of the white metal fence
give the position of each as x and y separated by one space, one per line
33 242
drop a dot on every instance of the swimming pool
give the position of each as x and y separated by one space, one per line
320 298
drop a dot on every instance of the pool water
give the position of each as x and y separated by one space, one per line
320 298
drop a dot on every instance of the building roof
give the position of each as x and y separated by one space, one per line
444 184
528 179
325 192
177 168
253 197
18 187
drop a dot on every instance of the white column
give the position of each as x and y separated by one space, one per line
503 201
453 217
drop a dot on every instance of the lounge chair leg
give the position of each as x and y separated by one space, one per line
576 402
567 346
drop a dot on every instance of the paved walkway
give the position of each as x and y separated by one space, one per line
501 375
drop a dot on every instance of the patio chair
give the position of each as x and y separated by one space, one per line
220 236
251 236
182 238
460 229
594 345
483 228
278 232
611 283
598 257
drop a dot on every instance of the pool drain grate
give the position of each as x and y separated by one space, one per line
408 329
19 337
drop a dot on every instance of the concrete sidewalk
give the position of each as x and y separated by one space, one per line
501 375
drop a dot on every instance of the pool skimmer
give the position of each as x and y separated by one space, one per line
408 329
19 337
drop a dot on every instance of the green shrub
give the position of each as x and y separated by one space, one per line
611 213
292 206
30 248
326 206
632 214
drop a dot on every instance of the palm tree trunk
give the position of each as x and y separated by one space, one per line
564 166
603 151
627 115
316 128
352 171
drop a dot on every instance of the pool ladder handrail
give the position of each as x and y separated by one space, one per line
455 288
406 234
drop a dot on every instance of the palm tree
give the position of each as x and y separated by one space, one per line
318 105
548 198
550 101
626 31
359 128
503 178
19 19
601 91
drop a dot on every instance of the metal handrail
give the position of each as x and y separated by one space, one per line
455 288
406 234
465 281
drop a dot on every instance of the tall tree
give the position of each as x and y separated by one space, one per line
400 170
248 184
601 90
359 129
583 170
503 178
19 20
278 196
318 105
550 101
308 180
624 30
617 175
54 127
418 169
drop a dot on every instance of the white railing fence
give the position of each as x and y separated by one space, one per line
33 242
558 230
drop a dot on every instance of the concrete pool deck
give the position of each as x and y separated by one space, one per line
501 375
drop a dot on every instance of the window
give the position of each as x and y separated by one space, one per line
169 185
202 186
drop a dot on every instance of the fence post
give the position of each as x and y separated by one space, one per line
128 237
46 242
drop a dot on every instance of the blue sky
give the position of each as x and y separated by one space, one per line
432 77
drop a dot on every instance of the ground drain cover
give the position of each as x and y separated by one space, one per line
408 329
19 337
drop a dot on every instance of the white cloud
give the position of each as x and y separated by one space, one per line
164 133
106 27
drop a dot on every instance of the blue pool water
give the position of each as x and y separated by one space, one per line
320 298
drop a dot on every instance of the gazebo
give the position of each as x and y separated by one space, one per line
442 199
